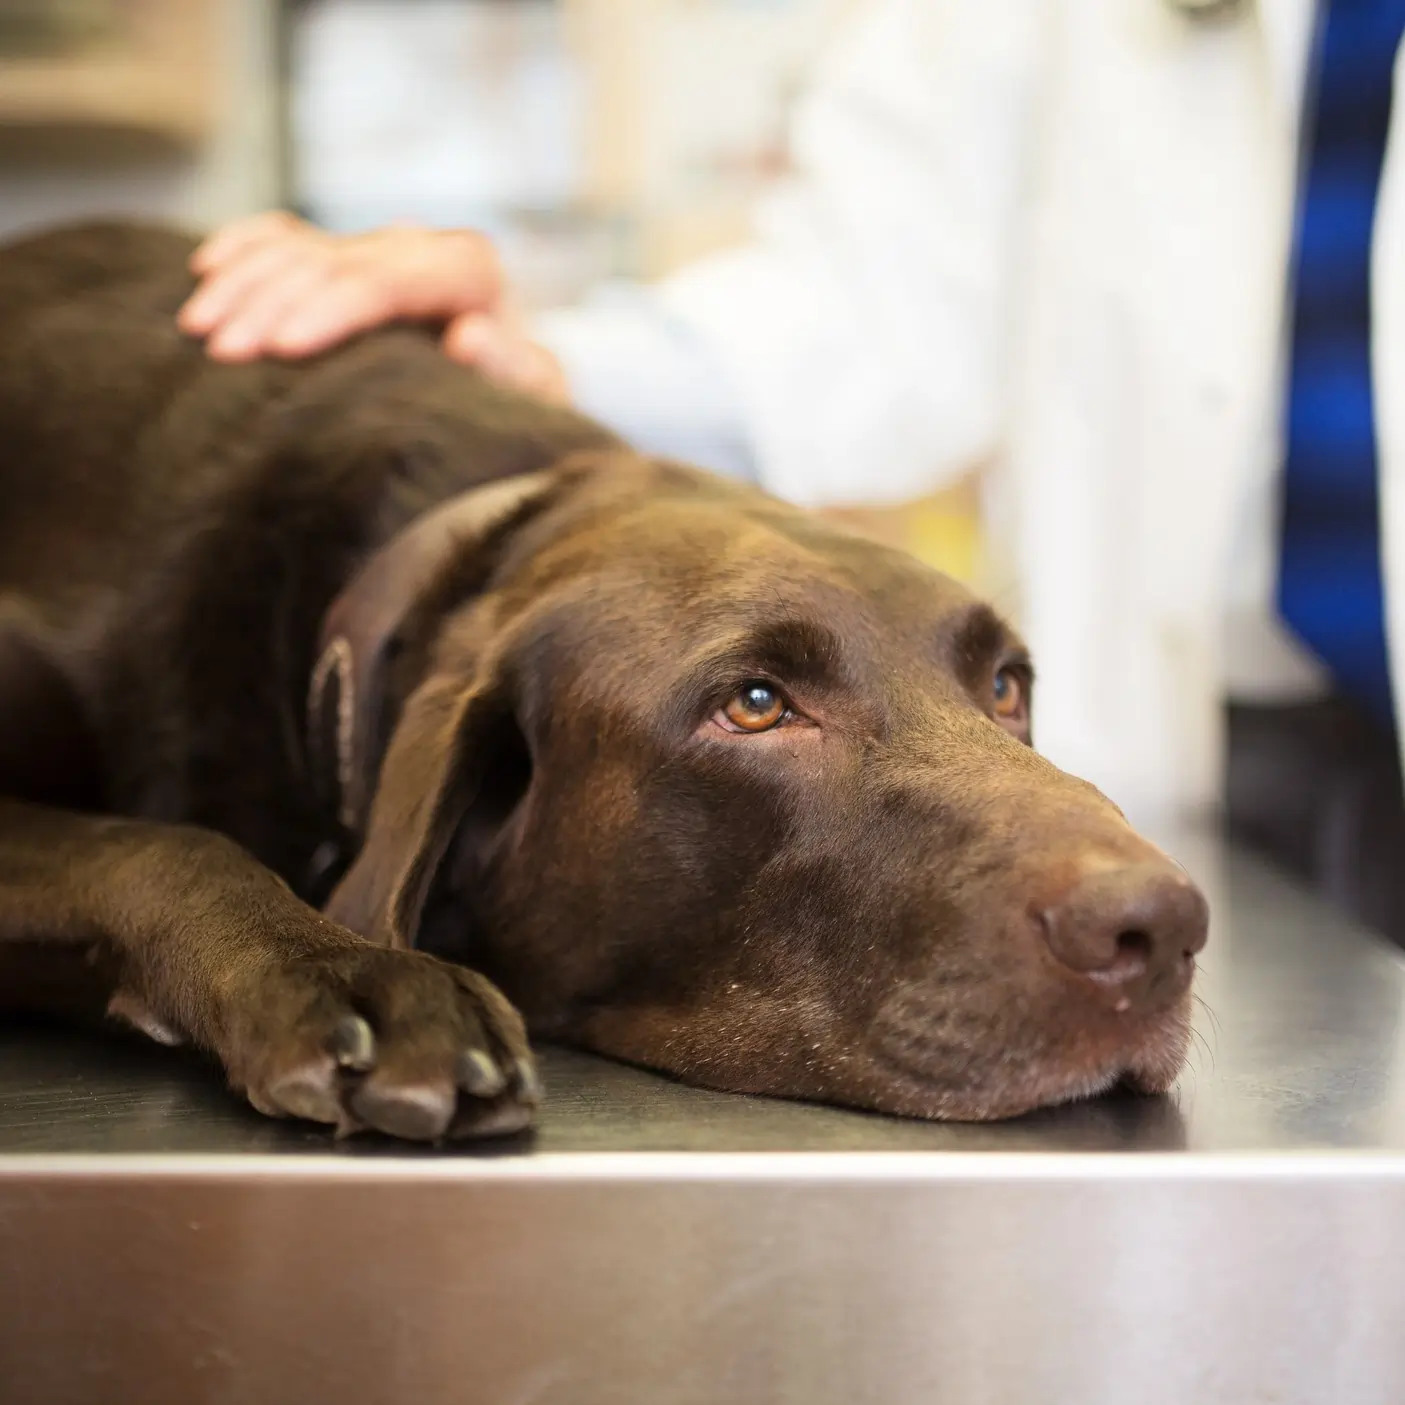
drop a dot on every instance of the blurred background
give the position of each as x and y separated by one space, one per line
594 139
590 137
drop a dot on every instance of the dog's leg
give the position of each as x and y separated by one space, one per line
188 936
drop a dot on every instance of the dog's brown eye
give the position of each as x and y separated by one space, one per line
1009 693
755 707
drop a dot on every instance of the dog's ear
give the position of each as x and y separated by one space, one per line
435 768
445 555
454 730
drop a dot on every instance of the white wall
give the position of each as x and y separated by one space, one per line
233 174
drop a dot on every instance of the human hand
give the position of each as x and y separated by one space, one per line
274 285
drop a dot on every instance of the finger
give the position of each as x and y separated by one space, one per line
256 327
225 295
239 235
484 343
471 337
506 356
218 294
539 373
394 274
350 301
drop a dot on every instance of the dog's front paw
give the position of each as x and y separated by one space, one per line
394 1041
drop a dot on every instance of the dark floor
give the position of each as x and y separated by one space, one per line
1317 788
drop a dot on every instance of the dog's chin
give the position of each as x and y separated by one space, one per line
910 1077
1147 1062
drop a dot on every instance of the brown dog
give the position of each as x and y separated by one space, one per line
695 779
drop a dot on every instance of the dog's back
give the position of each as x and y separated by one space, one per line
87 259
90 356
172 529
118 432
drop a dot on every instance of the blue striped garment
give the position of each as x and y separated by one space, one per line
1329 588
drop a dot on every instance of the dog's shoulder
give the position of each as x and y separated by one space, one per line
75 260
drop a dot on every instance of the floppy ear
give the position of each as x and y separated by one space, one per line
433 770
443 554
450 731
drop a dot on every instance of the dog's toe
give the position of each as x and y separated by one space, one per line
450 1053
478 1075
417 1112
526 1082
502 1117
309 1092
395 1042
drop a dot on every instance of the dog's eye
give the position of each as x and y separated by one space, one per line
1009 694
754 707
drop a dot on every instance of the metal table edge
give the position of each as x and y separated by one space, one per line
859 1167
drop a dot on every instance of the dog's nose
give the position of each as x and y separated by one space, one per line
1132 930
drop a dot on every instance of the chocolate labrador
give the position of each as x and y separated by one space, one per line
357 718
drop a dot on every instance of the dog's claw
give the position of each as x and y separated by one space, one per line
353 1044
526 1082
479 1076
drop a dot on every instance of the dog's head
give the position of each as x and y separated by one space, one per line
709 785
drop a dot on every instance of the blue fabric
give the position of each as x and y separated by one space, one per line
1329 588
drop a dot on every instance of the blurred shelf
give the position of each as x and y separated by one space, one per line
150 85
65 102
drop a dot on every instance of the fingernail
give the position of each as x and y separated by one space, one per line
290 340
236 347
469 340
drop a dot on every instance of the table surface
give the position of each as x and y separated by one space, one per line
1238 1240
1300 1048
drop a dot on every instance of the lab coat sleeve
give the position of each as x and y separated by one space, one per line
854 346
646 374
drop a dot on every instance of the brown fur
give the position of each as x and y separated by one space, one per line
891 900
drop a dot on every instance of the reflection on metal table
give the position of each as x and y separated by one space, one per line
1243 1239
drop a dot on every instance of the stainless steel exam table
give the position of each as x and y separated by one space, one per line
1241 1241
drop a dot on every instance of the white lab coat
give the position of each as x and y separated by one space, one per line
1054 235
